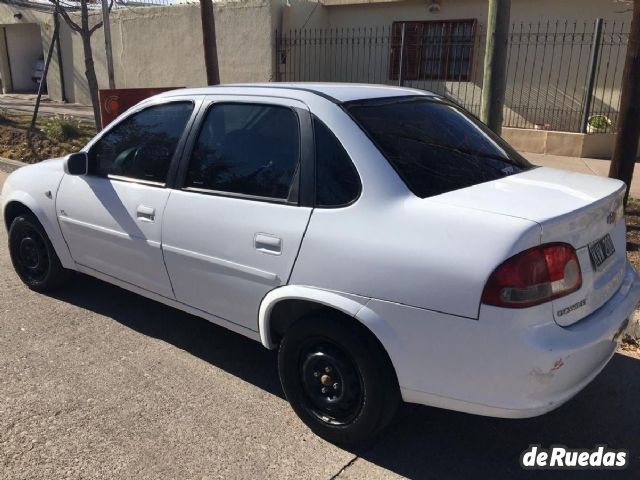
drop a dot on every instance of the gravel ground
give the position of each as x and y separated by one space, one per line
96 382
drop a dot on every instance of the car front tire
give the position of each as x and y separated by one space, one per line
33 256
338 379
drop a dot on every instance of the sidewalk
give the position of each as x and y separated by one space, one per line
25 103
583 165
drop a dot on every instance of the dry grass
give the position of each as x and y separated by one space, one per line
62 129
19 142
632 214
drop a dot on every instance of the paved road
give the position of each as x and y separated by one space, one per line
96 382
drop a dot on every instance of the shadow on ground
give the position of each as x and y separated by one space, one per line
240 356
433 443
425 442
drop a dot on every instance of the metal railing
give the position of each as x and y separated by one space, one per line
560 75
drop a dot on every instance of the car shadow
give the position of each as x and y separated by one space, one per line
424 442
234 353
435 443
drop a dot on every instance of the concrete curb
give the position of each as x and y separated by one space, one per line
8 165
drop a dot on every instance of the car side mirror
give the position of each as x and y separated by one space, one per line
77 164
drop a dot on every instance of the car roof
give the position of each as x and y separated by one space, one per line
335 92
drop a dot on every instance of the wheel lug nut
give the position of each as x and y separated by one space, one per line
336 385
327 369
324 390
316 374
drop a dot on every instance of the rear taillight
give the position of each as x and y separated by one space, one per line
534 276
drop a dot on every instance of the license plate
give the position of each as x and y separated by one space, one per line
600 250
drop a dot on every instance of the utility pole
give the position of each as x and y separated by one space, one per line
593 71
495 64
107 43
209 42
626 143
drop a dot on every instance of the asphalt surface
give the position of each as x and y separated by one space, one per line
96 382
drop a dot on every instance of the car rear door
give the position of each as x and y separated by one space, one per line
233 226
111 218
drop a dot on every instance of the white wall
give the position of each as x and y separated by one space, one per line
158 46
25 48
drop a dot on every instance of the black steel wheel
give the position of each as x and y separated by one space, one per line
33 260
33 257
338 378
331 382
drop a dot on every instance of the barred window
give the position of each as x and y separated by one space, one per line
434 50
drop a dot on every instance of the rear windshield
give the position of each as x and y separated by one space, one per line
436 147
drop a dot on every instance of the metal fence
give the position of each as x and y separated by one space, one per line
560 75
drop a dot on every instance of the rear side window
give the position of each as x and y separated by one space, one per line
435 146
246 149
337 181
141 146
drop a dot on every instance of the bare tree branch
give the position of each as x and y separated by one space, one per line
84 31
73 25
99 24
95 27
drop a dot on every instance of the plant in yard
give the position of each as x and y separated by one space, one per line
599 123
62 128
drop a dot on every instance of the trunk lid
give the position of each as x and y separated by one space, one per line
570 207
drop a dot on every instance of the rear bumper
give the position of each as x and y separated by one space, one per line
506 363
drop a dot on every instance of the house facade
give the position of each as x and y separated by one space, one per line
564 59
564 67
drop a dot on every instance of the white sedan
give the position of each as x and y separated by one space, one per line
384 240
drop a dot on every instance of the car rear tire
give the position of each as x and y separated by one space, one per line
338 379
33 256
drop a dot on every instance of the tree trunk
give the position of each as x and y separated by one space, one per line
209 42
90 71
626 144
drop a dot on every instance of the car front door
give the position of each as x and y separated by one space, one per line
111 218
231 233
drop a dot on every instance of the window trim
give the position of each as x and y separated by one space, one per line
302 175
244 196
122 178
177 154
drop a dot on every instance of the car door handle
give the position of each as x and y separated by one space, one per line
145 213
267 244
